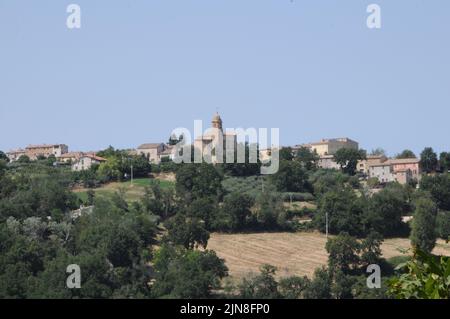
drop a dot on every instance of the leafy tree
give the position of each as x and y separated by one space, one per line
24 159
371 249
324 181
270 213
246 168
263 286
188 232
110 170
187 274
348 159
443 225
293 287
235 214
343 253
286 154
428 160
444 161
378 152
307 158
424 277
90 196
203 209
141 166
406 154
385 210
439 188
320 286
423 233
198 180
345 212
4 157
291 177
342 287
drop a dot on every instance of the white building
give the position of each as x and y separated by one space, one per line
86 161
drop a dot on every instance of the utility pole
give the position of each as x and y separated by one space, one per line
131 174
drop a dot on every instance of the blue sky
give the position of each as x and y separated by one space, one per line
138 69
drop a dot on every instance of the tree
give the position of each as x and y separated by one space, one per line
428 160
141 166
444 162
186 231
4 157
423 277
439 188
371 249
244 169
291 177
307 158
320 286
286 154
443 225
293 287
270 212
90 197
345 211
406 154
343 253
263 286
378 152
24 159
235 213
198 180
385 211
348 159
187 274
423 233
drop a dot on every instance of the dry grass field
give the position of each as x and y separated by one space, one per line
292 253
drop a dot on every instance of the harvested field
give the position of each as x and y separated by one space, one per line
292 253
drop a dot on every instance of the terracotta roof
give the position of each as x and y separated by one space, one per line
16 151
149 145
44 145
404 161
94 157
72 154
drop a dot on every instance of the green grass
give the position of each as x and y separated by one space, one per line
133 192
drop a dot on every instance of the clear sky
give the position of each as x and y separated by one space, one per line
138 69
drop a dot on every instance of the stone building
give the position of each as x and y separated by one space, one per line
213 138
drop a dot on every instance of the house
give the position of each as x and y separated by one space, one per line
152 151
396 170
34 151
14 155
168 153
382 171
70 157
328 162
330 146
412 164
364 165
86 161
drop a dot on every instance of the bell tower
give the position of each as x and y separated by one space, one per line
216 121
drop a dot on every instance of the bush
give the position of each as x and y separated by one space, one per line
297 197
443 225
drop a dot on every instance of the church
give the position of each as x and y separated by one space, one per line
215 139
